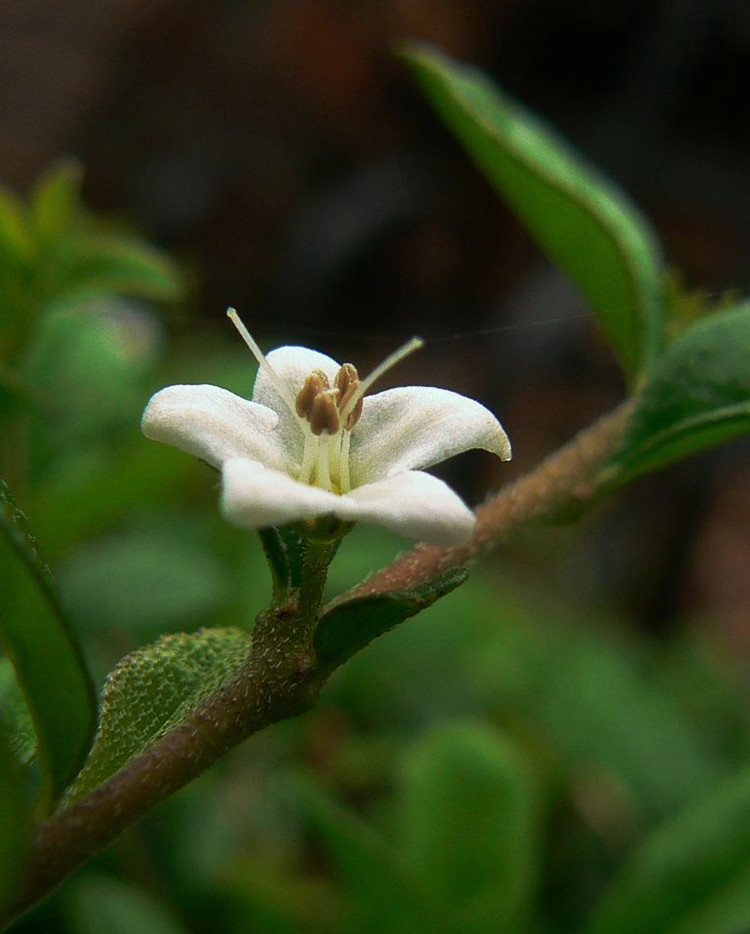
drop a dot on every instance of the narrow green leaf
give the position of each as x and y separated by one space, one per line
698 396
15 820
349 626
581 220
692 876
116 265
153 691
55 200
102 904
15 719
44 652
468 826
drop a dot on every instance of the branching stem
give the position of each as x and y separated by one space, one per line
281 678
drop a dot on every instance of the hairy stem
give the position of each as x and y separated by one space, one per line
282 679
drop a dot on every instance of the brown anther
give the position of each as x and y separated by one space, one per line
324 415
316 383
347 381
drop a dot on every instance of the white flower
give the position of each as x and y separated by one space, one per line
311 444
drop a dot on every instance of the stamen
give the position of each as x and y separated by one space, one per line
324 416
308 459
323 471
345 481
273 376
396 357
315 383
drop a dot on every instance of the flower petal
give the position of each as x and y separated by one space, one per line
254 497
215 425
415 505
417 426
292 365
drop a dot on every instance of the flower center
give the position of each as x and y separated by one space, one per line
326 414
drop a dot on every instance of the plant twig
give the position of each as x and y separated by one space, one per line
282 679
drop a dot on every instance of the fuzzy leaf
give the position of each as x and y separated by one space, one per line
692 876
698 396
467 821
45 654
581 220
349 626
153 691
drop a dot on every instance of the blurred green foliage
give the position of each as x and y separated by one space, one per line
500 762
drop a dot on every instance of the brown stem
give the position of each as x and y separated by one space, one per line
281 679
562 483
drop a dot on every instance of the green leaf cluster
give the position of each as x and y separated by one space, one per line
463 852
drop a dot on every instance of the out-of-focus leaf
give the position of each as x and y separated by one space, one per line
692 876
15 822
153 691
698 396
143 581
467 826
97 488
116 265
586 693
55 200
384 895
100 904
582 221
15 719
44 652
593 702
15 240
351 625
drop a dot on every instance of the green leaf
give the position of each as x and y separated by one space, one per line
45 654
384 895
698 396
349 626
692 876
55 200
15 240
144 581
581 220
102 904
15 818
15 719
102 263
153 691
467 823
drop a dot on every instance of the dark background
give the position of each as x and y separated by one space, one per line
283 154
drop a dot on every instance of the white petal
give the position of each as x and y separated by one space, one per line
292 365
416 505
215 425
418 426
255 497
